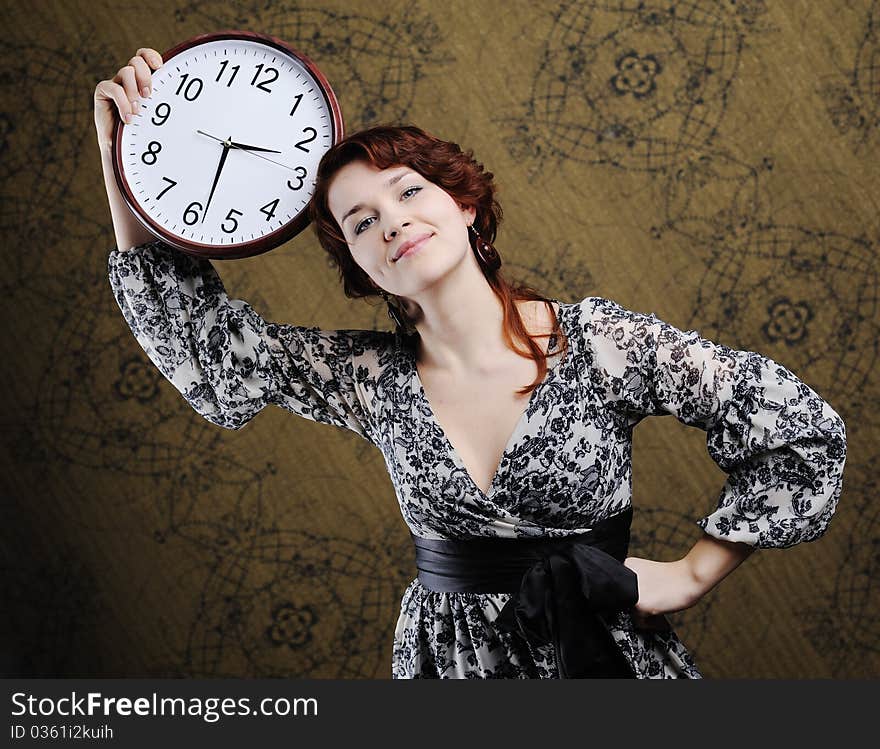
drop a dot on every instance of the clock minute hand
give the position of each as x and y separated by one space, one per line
216 177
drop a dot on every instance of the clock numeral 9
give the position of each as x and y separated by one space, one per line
150 153
230 217
262 84
300 144
300 176
190 209
163 113
193 83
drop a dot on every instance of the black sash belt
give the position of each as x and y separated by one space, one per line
560 585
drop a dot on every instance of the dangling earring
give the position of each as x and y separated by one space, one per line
393 313
486 252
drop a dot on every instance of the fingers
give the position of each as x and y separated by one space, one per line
142 76
135 80
153 58
115 92
127 79
131 83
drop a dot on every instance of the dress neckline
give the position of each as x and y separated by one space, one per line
419 391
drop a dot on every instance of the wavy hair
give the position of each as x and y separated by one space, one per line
466 181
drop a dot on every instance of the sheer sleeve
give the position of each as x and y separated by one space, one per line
226 360
781 445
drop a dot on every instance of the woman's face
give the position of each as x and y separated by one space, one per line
387 215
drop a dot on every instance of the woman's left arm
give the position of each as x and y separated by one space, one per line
782 446
665 587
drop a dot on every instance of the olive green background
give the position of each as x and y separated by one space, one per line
727 181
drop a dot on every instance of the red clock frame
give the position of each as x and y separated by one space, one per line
262 244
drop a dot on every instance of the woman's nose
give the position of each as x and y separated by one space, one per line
394 228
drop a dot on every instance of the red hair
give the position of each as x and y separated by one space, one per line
465 180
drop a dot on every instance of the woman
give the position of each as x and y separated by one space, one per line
510 458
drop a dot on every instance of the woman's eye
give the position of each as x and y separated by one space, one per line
357 229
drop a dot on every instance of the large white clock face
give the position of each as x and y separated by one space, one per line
269 110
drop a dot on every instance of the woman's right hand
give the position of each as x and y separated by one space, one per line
121 93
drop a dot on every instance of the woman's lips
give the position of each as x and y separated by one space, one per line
415 248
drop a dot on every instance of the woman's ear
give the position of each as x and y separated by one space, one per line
470 213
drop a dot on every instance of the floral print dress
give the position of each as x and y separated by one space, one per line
566 466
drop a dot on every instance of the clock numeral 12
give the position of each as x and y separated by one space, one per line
261 85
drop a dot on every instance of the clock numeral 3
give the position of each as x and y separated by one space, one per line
190 210
230 217
300 144
194 83
150 153
262 84
163 110
301 174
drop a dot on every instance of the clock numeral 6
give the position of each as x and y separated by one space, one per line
194 83
301 175
300 144
150 153
230 217
190 209
164 113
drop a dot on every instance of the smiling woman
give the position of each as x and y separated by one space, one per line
518 499
377 194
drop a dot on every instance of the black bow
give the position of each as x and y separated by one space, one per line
558 601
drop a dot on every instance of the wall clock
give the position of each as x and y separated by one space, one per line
220 160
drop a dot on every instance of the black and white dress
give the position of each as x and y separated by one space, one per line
566 466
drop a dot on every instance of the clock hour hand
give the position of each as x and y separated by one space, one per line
250 151
246 147
242 146
217 176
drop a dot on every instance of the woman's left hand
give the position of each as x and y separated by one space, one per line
664 587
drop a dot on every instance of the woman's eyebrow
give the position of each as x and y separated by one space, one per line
389 183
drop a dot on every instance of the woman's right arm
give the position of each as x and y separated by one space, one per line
227 361
117 98
223 357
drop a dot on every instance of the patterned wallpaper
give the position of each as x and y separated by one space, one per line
713 162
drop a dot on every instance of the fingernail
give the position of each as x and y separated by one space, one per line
145 92
126 117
